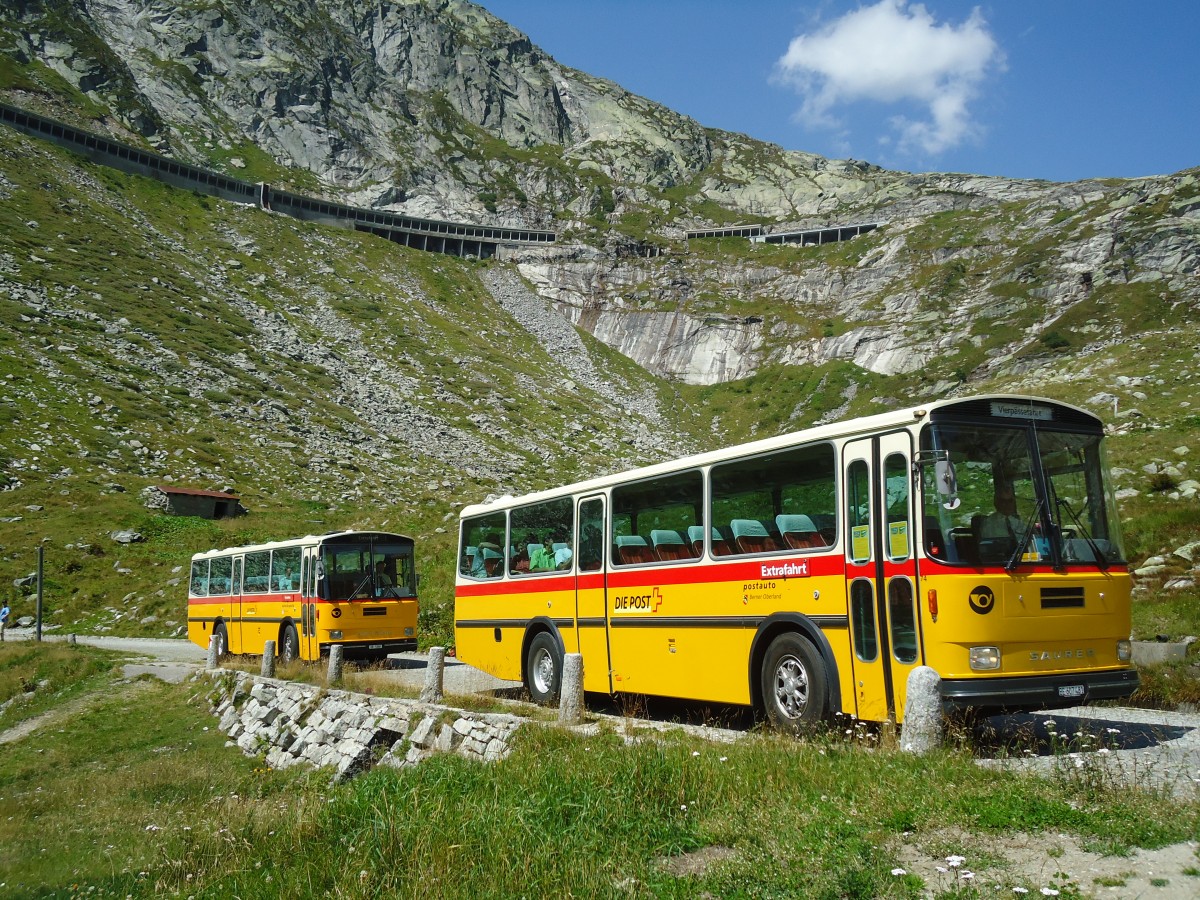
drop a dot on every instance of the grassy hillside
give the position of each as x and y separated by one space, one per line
336 380
331 379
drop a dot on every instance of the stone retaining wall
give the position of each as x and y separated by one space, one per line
293 723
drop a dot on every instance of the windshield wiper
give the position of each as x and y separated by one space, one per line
361 585
1101 559
1023 540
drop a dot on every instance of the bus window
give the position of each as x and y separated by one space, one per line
652 518
779 502
998 504
591 535
858 511
480 552
895 474
903 617
862 620
285 569
220 580
542 534
200 578
257 572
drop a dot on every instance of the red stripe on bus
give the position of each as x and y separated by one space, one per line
749 570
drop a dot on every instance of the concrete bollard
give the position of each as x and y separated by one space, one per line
335 664
434 672
570 703
212 652
922 731
71 639
268 663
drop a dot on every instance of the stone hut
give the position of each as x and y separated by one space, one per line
177 501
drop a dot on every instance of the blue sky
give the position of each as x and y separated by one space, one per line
1054 89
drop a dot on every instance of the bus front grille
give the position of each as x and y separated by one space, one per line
1062 597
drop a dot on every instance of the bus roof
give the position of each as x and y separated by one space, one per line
300 541
845 428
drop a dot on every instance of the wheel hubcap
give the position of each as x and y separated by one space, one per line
543 672
791 687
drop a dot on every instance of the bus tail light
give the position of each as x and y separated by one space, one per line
1124 651
985 658
932 597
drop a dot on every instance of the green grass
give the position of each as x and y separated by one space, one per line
137 795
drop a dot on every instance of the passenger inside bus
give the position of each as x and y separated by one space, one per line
1000 531
382 578
486 558
562 552
520 559
541 557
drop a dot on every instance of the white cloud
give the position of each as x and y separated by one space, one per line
894 53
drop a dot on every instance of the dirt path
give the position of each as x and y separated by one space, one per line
54 716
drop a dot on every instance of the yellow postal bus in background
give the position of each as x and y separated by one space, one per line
808 574
356 589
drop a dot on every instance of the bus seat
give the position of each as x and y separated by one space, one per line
826 526
696 539
669 545
751 536
799 532
633 549
722 541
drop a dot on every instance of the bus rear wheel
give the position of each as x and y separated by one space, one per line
794 685
543 669
289 645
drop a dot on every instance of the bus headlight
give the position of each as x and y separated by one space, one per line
984 658
335 635
1124 651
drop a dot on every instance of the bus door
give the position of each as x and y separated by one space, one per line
311 585
591 596
234 628
881 572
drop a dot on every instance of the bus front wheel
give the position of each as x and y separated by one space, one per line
793 684
543 669
221 639
289 645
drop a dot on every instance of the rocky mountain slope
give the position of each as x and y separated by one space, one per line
149 335
441 110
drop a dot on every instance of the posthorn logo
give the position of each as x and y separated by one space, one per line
982 599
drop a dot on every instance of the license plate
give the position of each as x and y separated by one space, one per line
380 647
1071 690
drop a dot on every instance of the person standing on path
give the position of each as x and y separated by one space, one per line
3 619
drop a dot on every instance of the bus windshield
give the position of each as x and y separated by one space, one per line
1013 494
366 569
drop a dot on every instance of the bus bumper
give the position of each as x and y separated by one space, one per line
371 649
1037 691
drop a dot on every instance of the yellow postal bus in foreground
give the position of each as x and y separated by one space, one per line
356 589
808 574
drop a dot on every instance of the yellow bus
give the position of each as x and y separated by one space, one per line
808 574
356 589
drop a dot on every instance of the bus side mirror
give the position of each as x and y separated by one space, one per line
947 483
